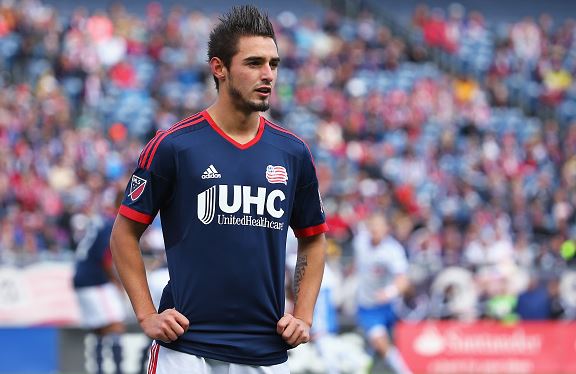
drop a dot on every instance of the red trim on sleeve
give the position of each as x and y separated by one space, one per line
135 215
311 231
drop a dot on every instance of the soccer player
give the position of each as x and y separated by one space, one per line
381 266
98 289
227 183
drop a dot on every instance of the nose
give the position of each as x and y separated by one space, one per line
267 73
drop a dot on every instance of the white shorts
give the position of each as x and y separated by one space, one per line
168 361
100 305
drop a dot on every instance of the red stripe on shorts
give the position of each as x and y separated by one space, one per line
154 349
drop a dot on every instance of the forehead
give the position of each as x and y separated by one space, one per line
256 46
376 220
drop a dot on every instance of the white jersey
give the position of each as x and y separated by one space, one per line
376 265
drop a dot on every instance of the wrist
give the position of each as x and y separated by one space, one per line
306 320
143 316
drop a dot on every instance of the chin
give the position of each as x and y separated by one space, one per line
260 106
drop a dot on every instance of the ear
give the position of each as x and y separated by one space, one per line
218 69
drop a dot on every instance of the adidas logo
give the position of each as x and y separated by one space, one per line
211 173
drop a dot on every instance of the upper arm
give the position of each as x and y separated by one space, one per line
311 241
126 228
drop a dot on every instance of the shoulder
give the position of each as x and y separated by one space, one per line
286 139
166 141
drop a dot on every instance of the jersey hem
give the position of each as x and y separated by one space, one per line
135 215
311 231
226 358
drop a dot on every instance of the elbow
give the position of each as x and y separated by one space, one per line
114 240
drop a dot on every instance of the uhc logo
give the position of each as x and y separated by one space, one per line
215 200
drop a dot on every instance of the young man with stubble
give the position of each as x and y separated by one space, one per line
227 183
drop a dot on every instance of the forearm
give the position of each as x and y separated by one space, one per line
308 276
402 282
124 244
113 277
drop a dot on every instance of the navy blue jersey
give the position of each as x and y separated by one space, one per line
93 254
225 209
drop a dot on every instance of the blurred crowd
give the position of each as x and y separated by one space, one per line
529 61
468 183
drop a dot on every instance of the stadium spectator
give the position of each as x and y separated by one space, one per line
535 302
526 41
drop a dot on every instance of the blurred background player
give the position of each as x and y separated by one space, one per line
97 286
381 267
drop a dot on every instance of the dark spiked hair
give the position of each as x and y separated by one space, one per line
245 20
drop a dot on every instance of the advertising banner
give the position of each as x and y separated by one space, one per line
39 294
488 347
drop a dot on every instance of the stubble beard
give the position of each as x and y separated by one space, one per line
246 105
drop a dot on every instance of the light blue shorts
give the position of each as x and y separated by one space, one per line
376 319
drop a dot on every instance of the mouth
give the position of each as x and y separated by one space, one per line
264 90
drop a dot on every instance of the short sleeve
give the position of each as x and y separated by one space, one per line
150 186
308 213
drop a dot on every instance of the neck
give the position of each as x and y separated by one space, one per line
239 125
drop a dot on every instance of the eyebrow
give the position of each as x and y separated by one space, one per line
259 59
